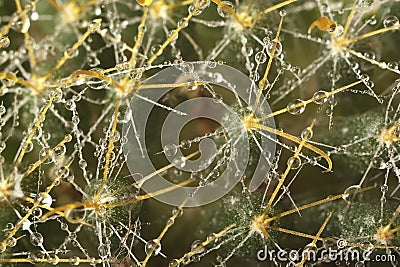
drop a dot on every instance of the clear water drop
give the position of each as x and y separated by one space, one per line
45 199
4 42
185 144
71 53
11 242
2 110
82 163
296 107
156 49
103 250
36 239
307 134
174 263
170 150
197 246
391 21
320 97
74 261
278 48
222 12
294 162
152 246
260 57
351 192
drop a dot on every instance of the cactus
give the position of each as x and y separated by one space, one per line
199 132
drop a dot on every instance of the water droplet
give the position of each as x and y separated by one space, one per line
370 55
142 28
170 150
44 152
185 144
34 16
320 97
186 67
194 9
2 146
384 188
34 257
122 66
255 76
75 120
393 65
36 239
218 78
173 34
156 49
282 13
306 134
174 263
64 226
54 259
70 105
183 23
186 260
103 250
45 199
152 246
2 110
11 242
4 42
203 4
93 61
95 25
116 136
334 76
59 151
351 192
8 227
278 48
391 21
3 248
296 107
82 163
260 57
37 212
170 222
196 258
247 51
294 162
177 211
62 172
57 95
221 10
71 53
217 98
379 163
74 261
212 64
197 246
